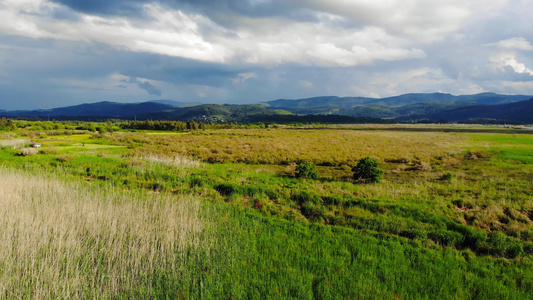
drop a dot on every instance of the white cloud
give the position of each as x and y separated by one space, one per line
417 20
176 33
170 33
318 44
509 60
518 43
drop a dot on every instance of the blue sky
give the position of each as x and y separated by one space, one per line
65 52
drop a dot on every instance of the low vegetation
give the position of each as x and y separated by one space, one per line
367 169
306 170
269 213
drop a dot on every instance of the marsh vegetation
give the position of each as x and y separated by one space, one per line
223 213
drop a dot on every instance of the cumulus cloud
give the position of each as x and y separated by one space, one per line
166 32
188 35
509 60
518 43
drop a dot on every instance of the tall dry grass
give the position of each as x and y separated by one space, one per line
67 240
174 161
15 143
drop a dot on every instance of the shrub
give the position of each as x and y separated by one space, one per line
306 170
367 169
28 151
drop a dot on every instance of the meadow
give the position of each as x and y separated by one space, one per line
219 213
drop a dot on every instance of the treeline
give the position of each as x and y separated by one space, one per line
7 125
118 125
159 125
321 119
166 125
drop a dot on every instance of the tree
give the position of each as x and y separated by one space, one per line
306 170
367 169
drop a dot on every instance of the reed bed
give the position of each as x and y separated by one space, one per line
174 161
14 143
67 240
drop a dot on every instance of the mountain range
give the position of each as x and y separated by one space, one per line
484 107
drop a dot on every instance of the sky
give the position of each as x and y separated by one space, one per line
66 52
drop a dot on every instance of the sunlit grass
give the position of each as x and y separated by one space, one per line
414 235
282 146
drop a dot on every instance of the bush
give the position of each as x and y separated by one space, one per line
28 151
306 170
367 169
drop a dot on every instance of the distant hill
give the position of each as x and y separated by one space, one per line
491 98
403 107
388 112
327 101
216 113
485 107
174 103
517 112
155 111
99 109
407 99
321 104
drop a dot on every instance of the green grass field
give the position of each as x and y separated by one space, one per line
220 214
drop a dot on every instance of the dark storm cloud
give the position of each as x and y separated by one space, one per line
64 73
145 85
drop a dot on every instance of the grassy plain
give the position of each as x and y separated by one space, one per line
452 219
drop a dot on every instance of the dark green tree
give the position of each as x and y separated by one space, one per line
367 169
306 170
